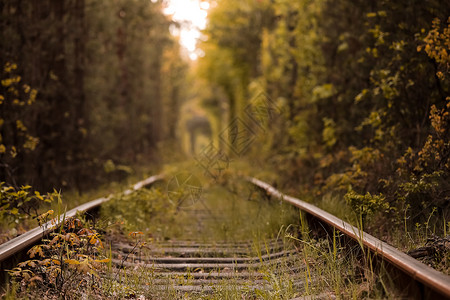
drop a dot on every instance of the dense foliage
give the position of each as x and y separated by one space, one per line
363 93
86 88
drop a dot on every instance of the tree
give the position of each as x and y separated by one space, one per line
97 68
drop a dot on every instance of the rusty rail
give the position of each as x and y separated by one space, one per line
424 279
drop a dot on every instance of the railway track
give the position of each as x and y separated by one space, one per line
273 268
186 267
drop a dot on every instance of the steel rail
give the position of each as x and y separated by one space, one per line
429 277
29 238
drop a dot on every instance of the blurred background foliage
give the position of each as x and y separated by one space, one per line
88 87
363 87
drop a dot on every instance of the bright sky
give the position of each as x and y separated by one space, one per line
192 15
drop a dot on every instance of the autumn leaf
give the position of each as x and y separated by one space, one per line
31 263
45 262
36 250
38 195
22 264
71 261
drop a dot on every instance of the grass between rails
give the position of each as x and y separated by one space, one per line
223 211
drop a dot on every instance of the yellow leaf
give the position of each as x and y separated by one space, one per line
71 261
13 152
38 195
20 125
26 88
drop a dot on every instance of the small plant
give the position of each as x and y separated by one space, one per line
71 257
137 208
366 205
22 203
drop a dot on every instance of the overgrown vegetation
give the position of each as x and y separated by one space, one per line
67 262
149 211
23 206
343 270
360 92
231 210
22 203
